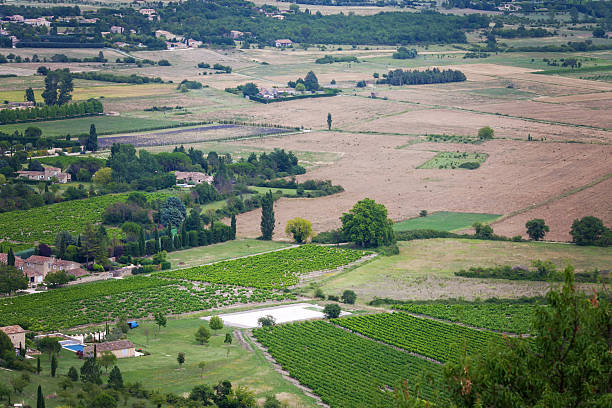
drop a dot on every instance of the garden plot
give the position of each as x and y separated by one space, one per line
281 314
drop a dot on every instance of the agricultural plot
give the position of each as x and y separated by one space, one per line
444 221
41 224
78 126
134 297
346 370
510 317
271 270
441 341
190 135
454 160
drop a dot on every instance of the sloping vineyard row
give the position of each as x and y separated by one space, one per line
344 369
507 317
135 297
440 341
272 270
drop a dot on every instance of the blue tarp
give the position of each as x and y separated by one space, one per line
133 324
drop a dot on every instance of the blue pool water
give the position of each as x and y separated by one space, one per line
74 347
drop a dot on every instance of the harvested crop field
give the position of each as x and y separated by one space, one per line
189 135
516 174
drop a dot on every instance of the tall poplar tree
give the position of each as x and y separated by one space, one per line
267 216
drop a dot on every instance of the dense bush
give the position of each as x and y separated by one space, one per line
400 77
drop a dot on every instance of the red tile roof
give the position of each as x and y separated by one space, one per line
12 329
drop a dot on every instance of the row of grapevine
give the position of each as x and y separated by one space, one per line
440 341
134 297
507 317
271 270
345 370
43 223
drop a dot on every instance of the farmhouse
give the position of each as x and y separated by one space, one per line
46 175
283 43
16 334
235 34
117 30
120 348
193 177
37 267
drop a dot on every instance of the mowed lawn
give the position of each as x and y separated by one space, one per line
160 370
444 221
77 126
218 252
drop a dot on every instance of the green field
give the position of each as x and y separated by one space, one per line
218 252
75 127
444 221
453 160
425 269
159 371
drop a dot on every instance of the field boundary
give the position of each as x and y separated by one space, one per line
248 334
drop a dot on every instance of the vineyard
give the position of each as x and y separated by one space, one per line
440 341
272 270
346 370
134 297
41 224
508 317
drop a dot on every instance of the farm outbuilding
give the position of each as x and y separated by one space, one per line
16 334
120 348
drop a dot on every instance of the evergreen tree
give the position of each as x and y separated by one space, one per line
92 140
29 95
141 243
115 379
329 121
37 364
267 216
157 244
233 226
40 399
53 365
10 258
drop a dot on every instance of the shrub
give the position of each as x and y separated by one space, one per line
331 310
349 297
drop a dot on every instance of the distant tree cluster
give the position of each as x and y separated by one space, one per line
400 77
405 53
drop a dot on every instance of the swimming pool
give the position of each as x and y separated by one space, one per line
74 347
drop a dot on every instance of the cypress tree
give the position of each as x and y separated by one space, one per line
267 216
53 365
10 258
95 352
40 399
37 364
157 244
141 243
233 226
92 140
184 239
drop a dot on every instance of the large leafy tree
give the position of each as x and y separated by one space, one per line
173 211
367 225
311 82
11 279
568 364
587 230
300 229
536 229
58 87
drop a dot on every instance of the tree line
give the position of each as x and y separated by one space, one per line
400 77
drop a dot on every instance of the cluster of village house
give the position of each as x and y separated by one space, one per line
173 41
36 267
48 174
